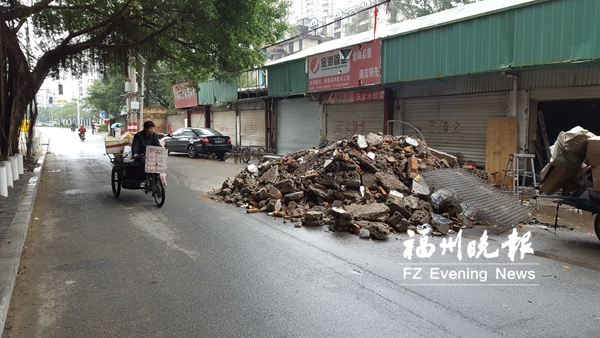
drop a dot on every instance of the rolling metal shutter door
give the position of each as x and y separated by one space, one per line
345 120
224 123
197 120
252 127
566 93
297 125
455 124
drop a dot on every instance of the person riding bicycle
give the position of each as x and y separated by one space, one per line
141 140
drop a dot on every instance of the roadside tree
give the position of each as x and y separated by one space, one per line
196 39
411 9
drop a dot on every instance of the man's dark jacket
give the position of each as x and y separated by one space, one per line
141 141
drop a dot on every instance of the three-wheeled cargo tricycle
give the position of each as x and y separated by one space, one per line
128 175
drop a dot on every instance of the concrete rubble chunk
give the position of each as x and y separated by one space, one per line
342 220
369 180
366 164
364 233
391 182
361 142
374 139
319 191
275 193
411 202
351 179
377 230
290 206
294 196
370 212
313 219
310 176
270 176
246 191
352 195
262 194
402 226
398 205
395 220
228 184
285 186
420 187
420 217
272 205
424 205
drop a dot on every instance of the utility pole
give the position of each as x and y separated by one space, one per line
142 97
78 119
134 102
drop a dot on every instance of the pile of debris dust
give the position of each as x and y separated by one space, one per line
367 185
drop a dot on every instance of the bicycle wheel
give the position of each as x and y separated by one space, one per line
158 191
245 155
115 182
260 154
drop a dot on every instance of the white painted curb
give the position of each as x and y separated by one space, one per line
14 240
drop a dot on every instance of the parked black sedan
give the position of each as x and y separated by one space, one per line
194 141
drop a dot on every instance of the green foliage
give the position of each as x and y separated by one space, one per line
104 127
197 39
412 9
105 95
158 87
67 111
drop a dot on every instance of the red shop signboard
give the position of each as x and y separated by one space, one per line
185 95
357 96
349 67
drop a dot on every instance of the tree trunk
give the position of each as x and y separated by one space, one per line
17 90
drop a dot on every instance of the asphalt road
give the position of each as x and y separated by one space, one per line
99 266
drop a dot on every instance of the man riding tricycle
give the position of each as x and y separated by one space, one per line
146 171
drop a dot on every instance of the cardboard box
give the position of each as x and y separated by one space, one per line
555 178
596 178
593 151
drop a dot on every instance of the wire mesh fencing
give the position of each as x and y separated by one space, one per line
487 203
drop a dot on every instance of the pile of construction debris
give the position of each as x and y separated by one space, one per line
368 185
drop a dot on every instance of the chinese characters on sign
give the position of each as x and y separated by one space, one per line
185 95
350 127
357 96
443 127
344 68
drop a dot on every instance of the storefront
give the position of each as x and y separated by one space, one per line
252 123
456 124
186 100
570 98
298 122
354 112
197 117
223 120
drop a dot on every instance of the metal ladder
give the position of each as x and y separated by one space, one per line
513 170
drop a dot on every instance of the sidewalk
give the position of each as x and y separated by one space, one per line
15 214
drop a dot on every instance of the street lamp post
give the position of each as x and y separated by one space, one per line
78 119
